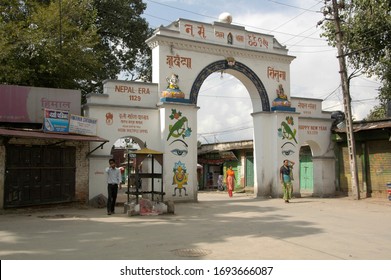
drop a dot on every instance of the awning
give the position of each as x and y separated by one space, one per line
211 161
228 155
24 133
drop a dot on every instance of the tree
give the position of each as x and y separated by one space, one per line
47 45
366 27
378 112
74 44
123 33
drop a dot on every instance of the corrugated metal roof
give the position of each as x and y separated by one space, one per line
226 146
362 126
24 133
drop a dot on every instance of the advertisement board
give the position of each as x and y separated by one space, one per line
82 125
56 121
20 104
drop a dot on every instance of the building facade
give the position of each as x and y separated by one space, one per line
373 155
36 166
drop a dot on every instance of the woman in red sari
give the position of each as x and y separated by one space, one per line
230 179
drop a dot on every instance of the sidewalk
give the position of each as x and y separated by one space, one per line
215 228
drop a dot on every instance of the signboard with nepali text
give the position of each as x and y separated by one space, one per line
20 104
56 121
131 93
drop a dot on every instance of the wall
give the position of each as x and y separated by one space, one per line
82 165
373 154
132 109
125 109
324 176
314 130
314 126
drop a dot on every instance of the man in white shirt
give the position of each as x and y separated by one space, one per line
113 182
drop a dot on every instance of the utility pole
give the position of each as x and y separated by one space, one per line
61 58
346 102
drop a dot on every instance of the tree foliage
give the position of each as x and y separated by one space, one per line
73 44
366 29
123 33
377 113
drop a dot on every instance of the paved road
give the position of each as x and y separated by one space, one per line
215 228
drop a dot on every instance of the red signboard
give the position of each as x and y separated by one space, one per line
20 104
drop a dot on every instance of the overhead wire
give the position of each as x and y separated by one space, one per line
293 36
353 101
292 6
225 131
255 27
305 11
302 37
333 92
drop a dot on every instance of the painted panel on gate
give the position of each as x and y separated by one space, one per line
287 132
178 133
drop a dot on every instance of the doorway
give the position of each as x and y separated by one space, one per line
249 171
306 170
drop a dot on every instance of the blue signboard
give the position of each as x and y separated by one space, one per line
56 121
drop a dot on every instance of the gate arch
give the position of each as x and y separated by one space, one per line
224 65
168 122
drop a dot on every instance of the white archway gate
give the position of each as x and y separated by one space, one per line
164 113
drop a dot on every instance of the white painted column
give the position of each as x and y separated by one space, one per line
264 160
272 145
178 124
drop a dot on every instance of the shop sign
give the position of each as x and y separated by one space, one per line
56 121
82 125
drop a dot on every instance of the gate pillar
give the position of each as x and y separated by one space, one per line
275 139
179 142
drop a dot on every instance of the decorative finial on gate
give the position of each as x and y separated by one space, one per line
225 18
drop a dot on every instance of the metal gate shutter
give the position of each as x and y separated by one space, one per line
379 153
345 175
39 175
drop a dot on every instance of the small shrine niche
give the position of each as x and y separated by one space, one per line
281 102
173 93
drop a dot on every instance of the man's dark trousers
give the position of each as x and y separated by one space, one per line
112 190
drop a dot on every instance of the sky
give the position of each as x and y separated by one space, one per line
314 73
